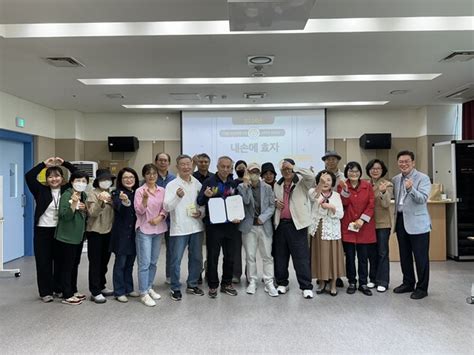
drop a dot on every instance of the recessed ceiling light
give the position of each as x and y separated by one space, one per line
221 27
292 105
255 95
260 80
398 92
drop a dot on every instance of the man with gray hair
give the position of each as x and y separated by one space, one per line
186 227
220 234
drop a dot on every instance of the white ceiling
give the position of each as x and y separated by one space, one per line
23 73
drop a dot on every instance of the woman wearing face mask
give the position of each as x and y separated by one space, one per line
150 229
379 258
99 225
122 242
70 235
46 219
327 256
357 225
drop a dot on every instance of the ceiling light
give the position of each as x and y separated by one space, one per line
262 80
221 27
255 95
259 106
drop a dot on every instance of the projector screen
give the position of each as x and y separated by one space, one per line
256 136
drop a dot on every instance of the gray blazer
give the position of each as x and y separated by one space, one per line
267 208
416 218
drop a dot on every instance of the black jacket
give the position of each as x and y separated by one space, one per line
122 240
42 193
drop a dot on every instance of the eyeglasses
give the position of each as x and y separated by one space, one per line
353 172
405 161
375 169
151 174
288 170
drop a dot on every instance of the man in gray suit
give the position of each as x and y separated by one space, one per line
256 227
412 225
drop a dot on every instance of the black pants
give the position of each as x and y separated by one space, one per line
221 236
379 258
237 271
417 245
47 273
69 256
99 256
287 241
362 252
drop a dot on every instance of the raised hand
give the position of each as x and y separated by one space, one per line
123 196
180 192
76 196
383 186
208 192
408 183
50 162
196 214
59 161
279 204
343 184
246 178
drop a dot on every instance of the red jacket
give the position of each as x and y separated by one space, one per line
359 203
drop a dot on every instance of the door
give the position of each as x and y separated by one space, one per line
12 170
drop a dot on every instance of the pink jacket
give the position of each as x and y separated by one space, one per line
153 209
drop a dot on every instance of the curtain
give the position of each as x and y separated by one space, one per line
468 120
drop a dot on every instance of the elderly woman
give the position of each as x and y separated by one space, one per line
383 192
150 229
99 225
46 219
327 257
358 225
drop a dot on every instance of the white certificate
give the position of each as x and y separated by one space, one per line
216 207
235 207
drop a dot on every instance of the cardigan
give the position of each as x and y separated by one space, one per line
101 214
382 204
331 224
71 224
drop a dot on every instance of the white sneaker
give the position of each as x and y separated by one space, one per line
72 301
271 290
122 299
370 285
282 289
148 301
381 289
107 292
153 294
252 288
47 298
99 298
134 294
308 294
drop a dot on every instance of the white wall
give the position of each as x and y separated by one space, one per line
353 124
145 126
40 120
441 120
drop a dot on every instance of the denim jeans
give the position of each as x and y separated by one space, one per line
379 259
148 251
123 274
177 245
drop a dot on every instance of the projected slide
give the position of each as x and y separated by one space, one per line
257 136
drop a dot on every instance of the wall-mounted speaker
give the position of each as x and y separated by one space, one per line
123 144
376 141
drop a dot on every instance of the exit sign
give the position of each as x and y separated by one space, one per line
20 122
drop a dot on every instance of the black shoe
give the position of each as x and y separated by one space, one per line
212 293
322 287
339 282
351 289
200 280
418 295
403 289
229 289
195 291
365 290
176 295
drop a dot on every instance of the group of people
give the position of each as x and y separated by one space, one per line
324 221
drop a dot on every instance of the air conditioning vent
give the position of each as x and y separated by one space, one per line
461 94
63 62
255 95
459 56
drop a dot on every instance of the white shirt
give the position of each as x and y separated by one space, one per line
50 217
181 223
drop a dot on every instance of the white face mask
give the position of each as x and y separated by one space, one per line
79 186
105 184
254 178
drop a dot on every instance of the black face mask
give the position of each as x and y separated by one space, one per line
240 173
